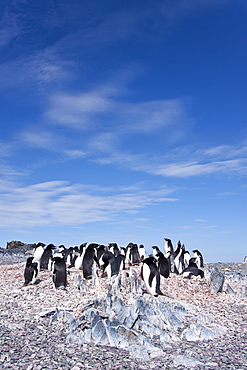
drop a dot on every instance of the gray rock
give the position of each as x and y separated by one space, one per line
199 332
76 323
229 290
186 361
133 279
55 316
138 353
244 291
123 279
217 279
129 335
99 334
80 282
48 312
115 339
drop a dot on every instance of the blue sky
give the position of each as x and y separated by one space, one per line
124 121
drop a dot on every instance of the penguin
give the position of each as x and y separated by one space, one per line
89 261
142 252
113 247
69 256
156 250
199 258
186 258
73 256
127 254
169 253
192 270
30 271
37 253
59 252
59 272
134 255
179 258
245 259
122 258
151 276
80 255
123 251
47 254
99 254
112 264
168 247
163 265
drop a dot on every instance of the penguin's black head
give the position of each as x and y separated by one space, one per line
196 251
93 246
39 245
50 246
192 262
29 262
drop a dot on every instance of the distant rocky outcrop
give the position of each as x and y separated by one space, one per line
17 244
15 252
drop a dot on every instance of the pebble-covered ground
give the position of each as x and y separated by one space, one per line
29 341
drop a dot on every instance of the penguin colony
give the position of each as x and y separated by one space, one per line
98 261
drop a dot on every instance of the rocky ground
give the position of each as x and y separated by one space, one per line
30 340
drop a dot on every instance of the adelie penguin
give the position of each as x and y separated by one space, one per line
46 256
199 258
163 265
100 252
192 270
169 253
179 258
31 271
90 261
79 259
37 253
168 247
151 276
142 252
112 264
59 273
156 250
114 249
186 258
134 255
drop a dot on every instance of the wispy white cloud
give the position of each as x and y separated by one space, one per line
195 168
32 72
75 154
10 28
5 149
84 111
79 110
39 139
227 164
7 172
152 115
60 203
